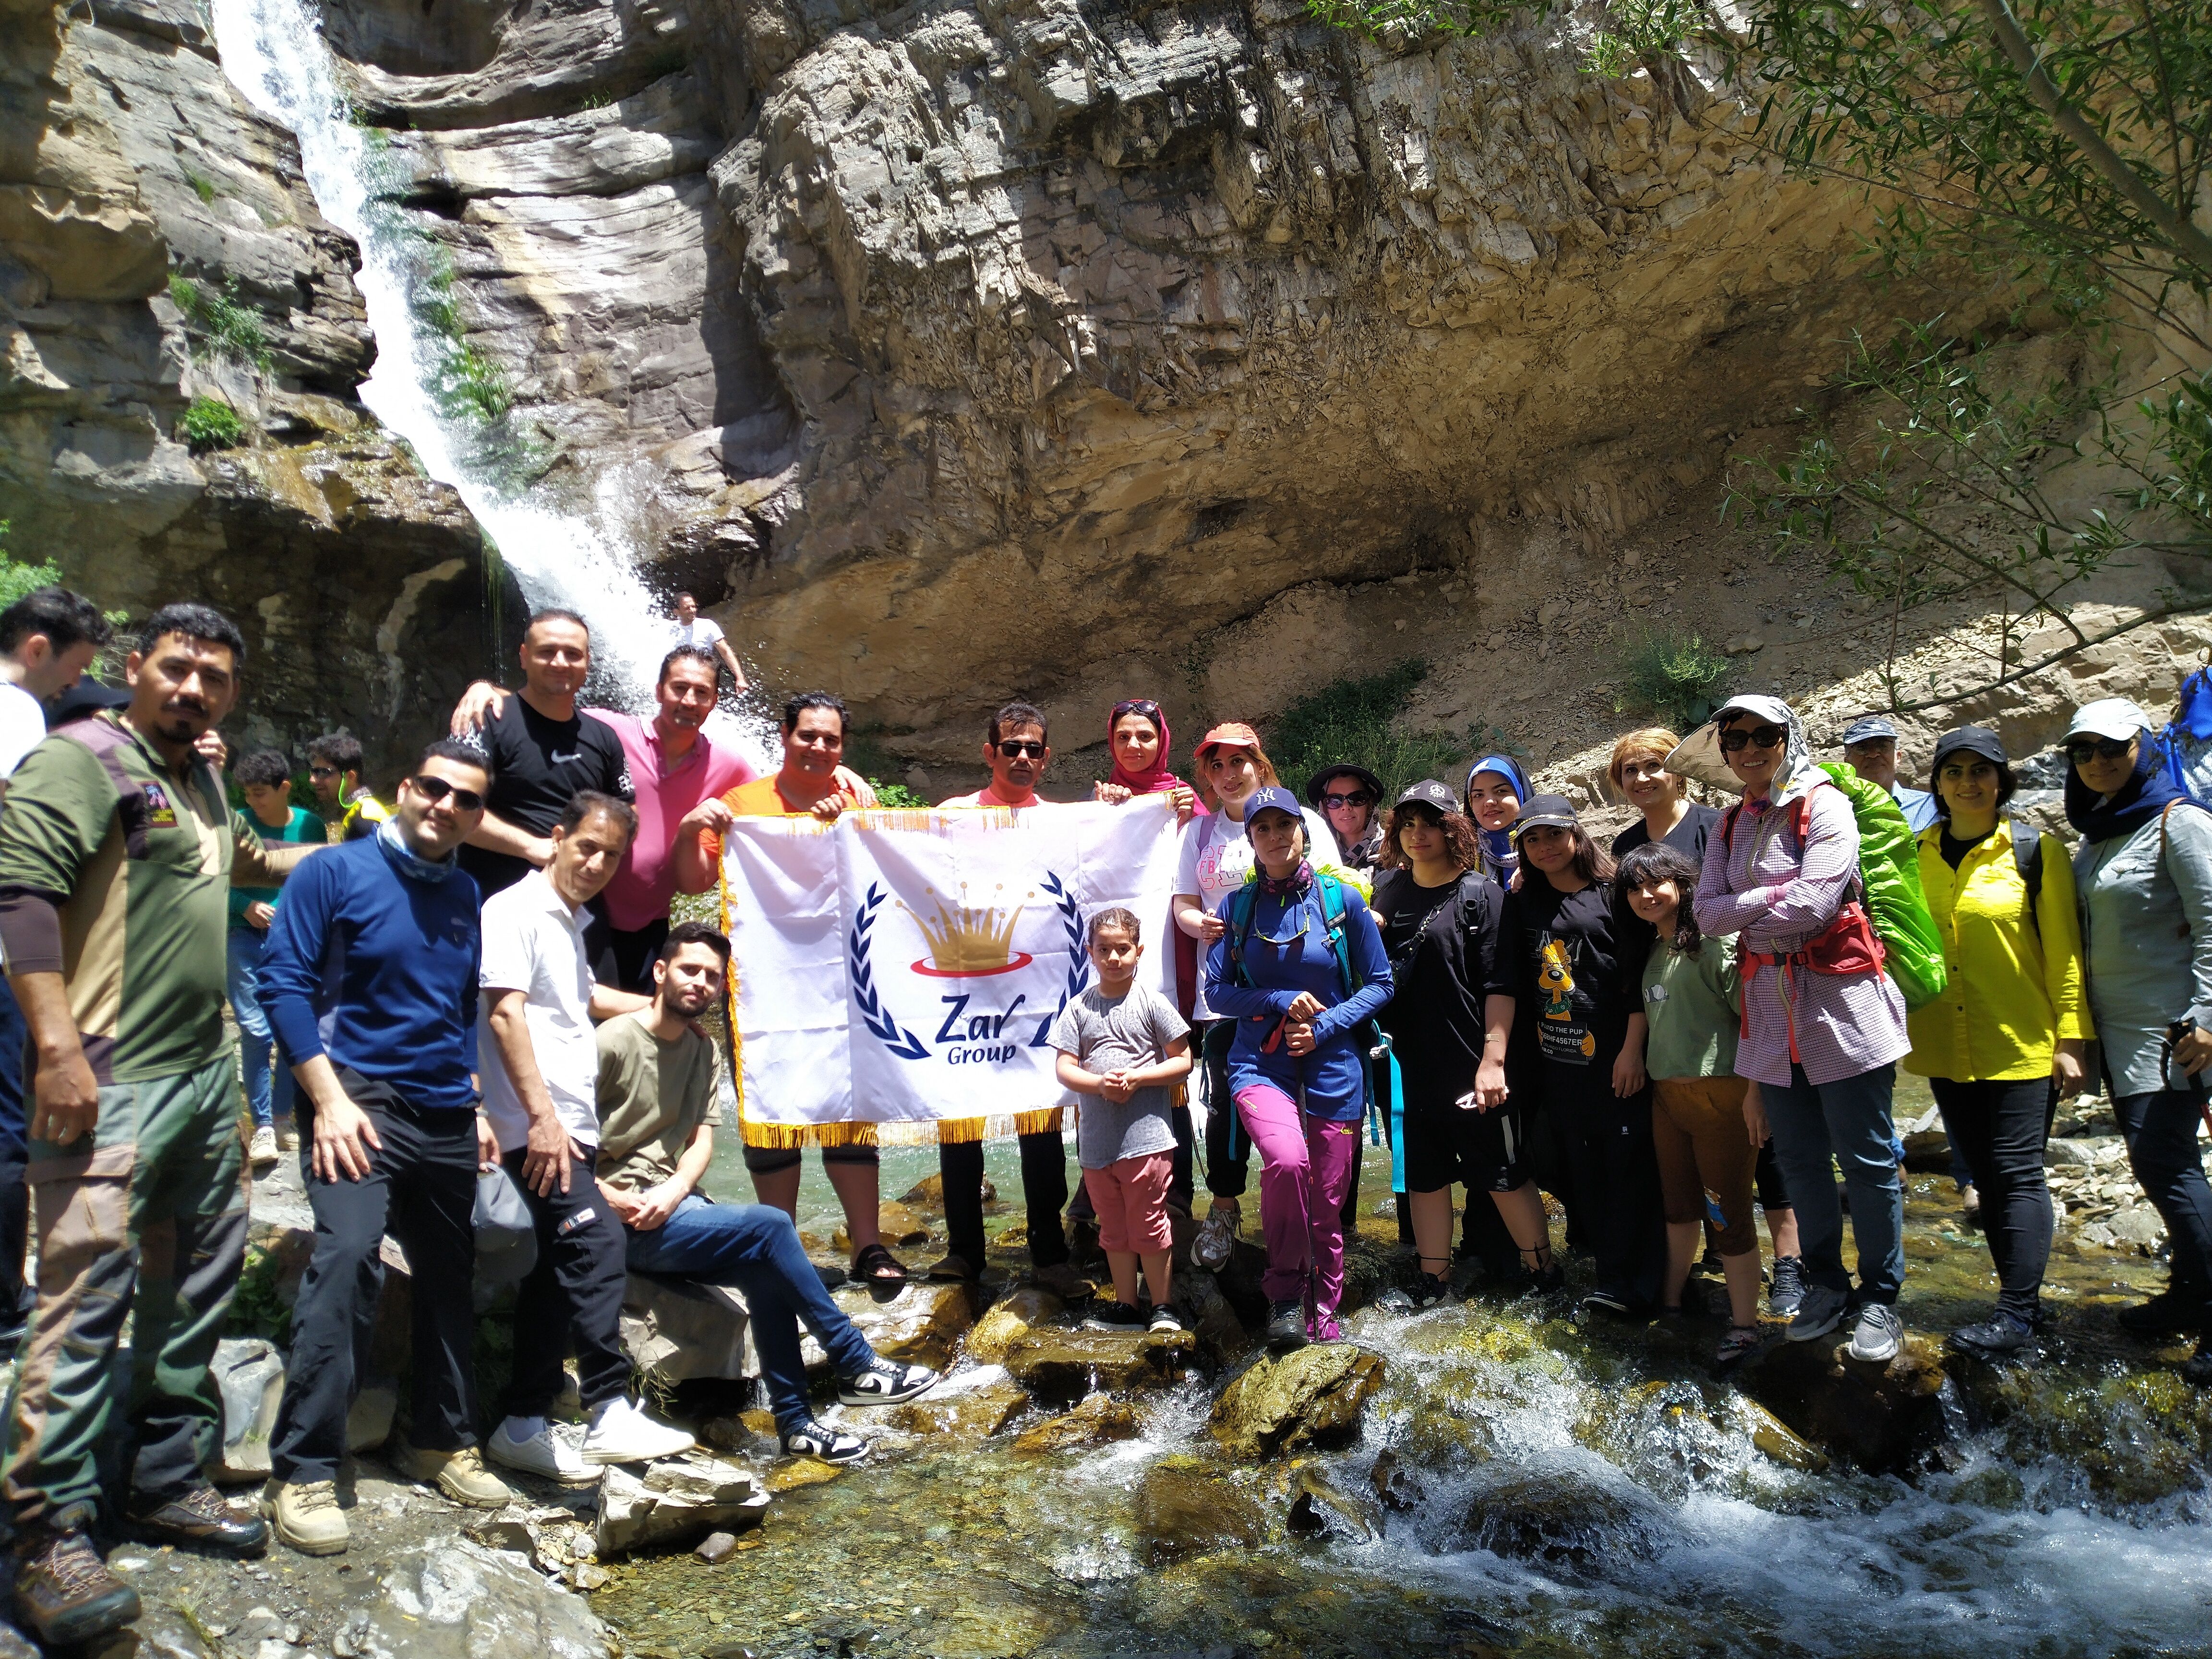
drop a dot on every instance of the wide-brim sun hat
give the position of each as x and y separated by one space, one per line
1699 756
1372 784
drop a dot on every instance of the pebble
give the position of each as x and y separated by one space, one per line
716 1547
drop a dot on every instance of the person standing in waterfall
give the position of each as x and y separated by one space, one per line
1298 964
2144 874
1822 1047
688 629
543 751
674 767
2005 1042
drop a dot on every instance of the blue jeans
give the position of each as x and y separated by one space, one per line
754 1249
268 1079
2161 1131
1848 1120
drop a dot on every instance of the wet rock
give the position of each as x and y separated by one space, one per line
251 1374
716 1547
1320 1507
461 1600
1564 1519
1212 1318
1396 1483
674 1504
922 1324
1882 1418
503 1532
993 1333
2137 1436
898 1225
971 1414
1313 1396
1067 1365
1183 1509
676 1329
1098 1419
792 1472
1775 1439
928 1195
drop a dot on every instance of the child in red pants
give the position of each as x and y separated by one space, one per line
1121 1045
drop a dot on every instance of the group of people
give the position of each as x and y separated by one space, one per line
483 978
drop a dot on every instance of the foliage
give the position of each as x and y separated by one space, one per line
202 187
225 327
19 577
1354 720
209 423
1676 677
896 794
256 1309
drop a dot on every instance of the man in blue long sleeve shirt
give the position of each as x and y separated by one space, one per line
370 982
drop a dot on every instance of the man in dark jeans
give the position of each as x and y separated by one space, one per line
370 981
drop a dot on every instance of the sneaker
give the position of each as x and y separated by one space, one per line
261 1151
1612 1303
1216 1235
548 1455
460 1475
1113 1317
1819 1310
1287 1326
1878 1335
884 1382
1785 1292
812 1439
306 1516
2163 1315
64 1592
621 1433
1164 1321
1737 1344
1063 1281
200 1518
1995 1338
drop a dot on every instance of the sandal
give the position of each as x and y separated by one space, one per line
874 1265
1740 1344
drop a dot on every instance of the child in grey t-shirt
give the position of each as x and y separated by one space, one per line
1122 1045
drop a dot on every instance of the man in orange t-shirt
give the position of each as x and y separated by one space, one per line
811 780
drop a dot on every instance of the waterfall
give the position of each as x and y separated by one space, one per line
428 385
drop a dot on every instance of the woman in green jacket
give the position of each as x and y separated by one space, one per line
2004 1041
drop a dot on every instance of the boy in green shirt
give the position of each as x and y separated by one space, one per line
265 777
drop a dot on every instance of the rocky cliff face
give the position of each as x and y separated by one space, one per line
948 351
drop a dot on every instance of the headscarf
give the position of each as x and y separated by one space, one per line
1500 853
1699 754
409 862
2143 798
1157 780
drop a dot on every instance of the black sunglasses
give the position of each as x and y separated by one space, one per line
1759 736
322 771
434 790
1360 799
2082 751
1015 748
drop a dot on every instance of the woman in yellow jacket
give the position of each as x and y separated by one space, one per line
2004 1042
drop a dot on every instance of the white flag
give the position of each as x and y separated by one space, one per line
902 968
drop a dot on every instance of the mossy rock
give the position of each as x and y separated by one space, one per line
1884 1418
1564 1520
1312 1396
1097 1421
1183 1509
1068 1365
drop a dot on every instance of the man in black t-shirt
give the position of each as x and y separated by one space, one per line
541 751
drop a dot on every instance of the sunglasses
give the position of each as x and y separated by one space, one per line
1015 748
1356 800
434 790
1759 736
2082 751
322 771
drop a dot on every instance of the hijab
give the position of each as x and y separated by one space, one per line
1500 853
1156 779
2141 799
1699 756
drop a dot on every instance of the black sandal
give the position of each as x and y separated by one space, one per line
874 1265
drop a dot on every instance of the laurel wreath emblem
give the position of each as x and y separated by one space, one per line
879 1019
1078 958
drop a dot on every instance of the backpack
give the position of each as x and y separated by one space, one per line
2186 745
1373 1045
1890 903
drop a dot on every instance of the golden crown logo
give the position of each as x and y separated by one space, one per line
968 941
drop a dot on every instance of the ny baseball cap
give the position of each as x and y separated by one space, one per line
1274 797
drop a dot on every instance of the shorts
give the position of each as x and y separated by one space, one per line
1698 1136
766 1160
1131 1197
1484 1152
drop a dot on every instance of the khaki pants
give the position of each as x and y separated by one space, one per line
1703 1147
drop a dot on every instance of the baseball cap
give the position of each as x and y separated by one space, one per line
2108 717
1546 812
1869 727
1972 740
1232 734
1273 796
1429 792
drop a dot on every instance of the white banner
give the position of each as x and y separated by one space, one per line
903 969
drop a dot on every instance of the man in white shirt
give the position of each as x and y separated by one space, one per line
539 1061
48 639
689 628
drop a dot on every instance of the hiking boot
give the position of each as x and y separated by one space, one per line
1063 1281
64 1592
1818 1311
1997 1337
460 1475
1785 1291
884 1382
261 1151
1287 1326
1114 1316
814 1439
306 1516
546 1454
2163 1315
202 1516
621 1433
1878 1335
1165 1322
1216 1235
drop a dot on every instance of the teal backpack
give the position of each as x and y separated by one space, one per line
1374 1046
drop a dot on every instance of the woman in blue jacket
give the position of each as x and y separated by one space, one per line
1298 1068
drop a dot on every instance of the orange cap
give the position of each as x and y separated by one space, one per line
1233 735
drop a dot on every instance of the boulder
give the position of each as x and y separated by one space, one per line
993 1333
250 1373
1882 1418
1183 1509
676 1329
922 1324
456 1600
1095 1422
1564 1518
974 1411
898 1225
675 1502
1320 1507
1396 1483
1312 1396
1067 1365
928 1193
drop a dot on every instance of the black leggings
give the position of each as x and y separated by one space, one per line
2000 1127
1228 1148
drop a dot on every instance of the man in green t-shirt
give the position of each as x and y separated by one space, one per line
118 851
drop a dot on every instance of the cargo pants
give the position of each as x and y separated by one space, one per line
149 1224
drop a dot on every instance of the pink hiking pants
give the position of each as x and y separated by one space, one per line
1305 1164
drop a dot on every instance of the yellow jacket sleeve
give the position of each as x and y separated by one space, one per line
2059 923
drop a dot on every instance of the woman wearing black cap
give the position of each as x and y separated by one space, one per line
1350 797
1440 918
2004 1041
1573 954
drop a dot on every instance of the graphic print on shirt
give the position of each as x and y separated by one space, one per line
1562 1029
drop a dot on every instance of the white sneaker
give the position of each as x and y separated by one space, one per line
261 1151
621 1433
546 1454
